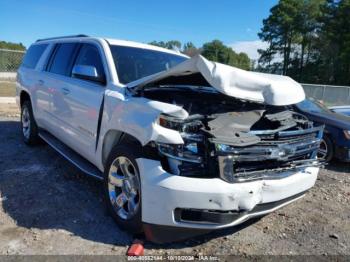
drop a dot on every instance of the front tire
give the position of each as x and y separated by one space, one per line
326 150
28 125
122 187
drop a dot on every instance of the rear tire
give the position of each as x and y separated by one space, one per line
28 125
122 187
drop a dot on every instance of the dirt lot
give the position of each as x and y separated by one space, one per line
49 207
7 88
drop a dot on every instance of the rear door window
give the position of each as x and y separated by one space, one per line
62 59
33 55
90 56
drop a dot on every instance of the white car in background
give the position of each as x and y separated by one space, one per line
182 145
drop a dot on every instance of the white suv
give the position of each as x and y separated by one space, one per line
182 145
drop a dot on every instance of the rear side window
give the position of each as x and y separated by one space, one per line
90 56
62 59
33 55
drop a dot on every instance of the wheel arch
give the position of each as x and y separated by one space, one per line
24 96
114 137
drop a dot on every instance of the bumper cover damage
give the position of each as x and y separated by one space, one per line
165 195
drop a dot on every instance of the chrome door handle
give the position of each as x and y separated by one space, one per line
65 91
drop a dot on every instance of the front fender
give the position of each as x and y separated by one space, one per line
137 116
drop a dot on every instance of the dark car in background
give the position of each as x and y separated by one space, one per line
344 110
336 138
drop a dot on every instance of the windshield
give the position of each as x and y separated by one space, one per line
308 105
134 63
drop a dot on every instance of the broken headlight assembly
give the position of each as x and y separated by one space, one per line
183 152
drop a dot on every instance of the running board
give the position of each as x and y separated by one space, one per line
73 157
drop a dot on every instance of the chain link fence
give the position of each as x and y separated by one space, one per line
10 60
329 95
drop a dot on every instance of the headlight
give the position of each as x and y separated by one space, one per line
192 124
347 134
185 152
170 122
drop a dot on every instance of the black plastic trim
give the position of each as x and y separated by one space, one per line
100 114
218 217
61 37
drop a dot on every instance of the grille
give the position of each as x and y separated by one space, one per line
286 151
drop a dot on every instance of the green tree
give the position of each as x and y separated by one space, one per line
158 43
172 44
12 46
190 49
218 52
214 51
307 24
334 55
280 29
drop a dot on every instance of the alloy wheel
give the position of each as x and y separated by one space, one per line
323 150
124 187
26 123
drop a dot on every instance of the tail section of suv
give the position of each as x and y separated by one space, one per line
182 145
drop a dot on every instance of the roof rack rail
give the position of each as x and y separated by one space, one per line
59 37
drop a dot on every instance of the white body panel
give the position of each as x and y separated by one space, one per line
73 119
163 192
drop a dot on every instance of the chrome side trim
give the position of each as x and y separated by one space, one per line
288 133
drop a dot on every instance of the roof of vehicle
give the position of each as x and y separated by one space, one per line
339 107
111 41
141 45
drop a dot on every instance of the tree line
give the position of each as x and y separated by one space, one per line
12 46
214 51
309 40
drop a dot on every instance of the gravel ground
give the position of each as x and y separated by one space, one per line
7 88
48 207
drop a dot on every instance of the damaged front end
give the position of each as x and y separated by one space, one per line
238 149
236 140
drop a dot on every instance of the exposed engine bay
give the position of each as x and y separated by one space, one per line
237 139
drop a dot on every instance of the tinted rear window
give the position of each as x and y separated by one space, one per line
33 55
62 59
134 63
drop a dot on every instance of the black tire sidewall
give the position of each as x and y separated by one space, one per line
132 152
33 130
330 148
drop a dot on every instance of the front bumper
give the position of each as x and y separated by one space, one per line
164 193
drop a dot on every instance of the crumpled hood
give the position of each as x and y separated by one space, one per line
257 87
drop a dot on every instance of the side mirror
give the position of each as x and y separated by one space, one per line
87 72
